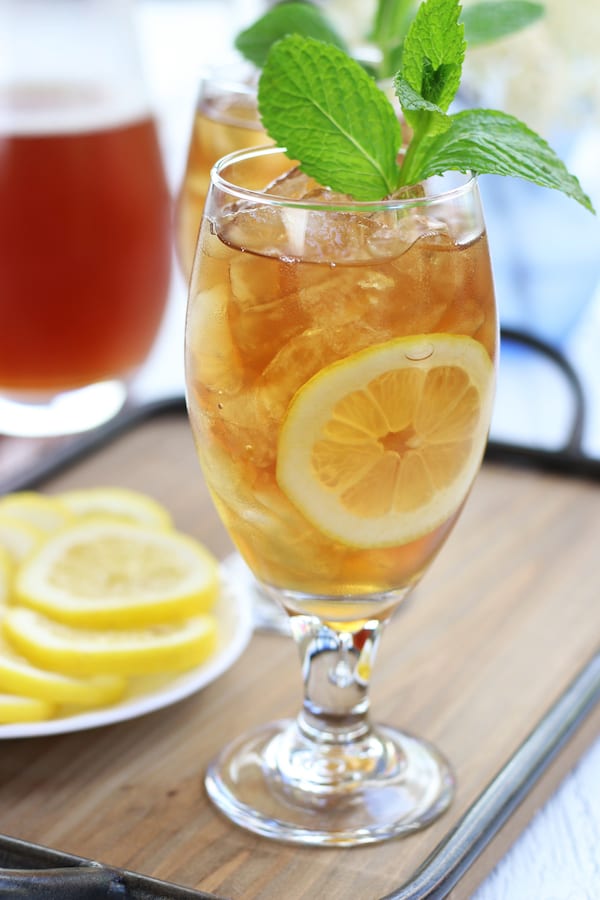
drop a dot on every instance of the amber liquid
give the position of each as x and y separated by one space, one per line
258 328
216 131
85 238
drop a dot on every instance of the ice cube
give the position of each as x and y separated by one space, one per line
303 356
264 312
244 426
286 545
212 357
254 281
293 185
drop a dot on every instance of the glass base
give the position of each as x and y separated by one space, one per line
68 412
279 783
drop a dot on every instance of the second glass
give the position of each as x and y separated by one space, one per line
225 119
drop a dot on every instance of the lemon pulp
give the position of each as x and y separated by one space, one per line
380 448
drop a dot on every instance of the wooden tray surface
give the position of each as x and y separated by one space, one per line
492 639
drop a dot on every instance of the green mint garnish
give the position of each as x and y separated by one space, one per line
330 115
286 18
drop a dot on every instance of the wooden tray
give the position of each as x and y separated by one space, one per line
495 659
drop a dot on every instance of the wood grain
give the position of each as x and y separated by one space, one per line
499 626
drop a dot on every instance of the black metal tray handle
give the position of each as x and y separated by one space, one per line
45 874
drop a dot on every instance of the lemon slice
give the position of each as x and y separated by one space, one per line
380 448
19 538
39 510
6 573
110 574
18 676
24 709
143 651
116 502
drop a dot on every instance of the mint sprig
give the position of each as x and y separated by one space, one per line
330 115
286 18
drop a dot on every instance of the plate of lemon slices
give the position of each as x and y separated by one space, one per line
107 612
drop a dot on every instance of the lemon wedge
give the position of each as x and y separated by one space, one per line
39 510
19 676
380 448
81 652
116 503
24 709
108 574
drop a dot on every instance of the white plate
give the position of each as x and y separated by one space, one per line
150 693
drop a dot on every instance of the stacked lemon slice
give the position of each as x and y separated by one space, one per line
96 587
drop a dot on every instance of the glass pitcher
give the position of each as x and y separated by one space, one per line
85 214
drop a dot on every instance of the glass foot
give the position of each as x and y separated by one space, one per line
69 412
278 783
267 615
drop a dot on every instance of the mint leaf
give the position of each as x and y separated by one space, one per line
434 51
418 112
489 21
490 142
286 18
330 115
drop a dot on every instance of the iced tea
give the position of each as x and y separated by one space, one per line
85 239
277 297
221 125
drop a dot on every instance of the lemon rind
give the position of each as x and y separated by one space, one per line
73 652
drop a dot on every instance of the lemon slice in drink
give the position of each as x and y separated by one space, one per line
117 503
39 510
172 647
19 676
24 709
106 573
380 448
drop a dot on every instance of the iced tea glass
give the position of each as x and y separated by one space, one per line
225 119
340 362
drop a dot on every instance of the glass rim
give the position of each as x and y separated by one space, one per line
226 85
218 180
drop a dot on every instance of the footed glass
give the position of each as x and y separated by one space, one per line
340 364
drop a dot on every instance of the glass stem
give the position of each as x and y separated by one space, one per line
336 669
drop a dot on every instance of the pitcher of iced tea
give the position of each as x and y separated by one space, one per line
85 214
